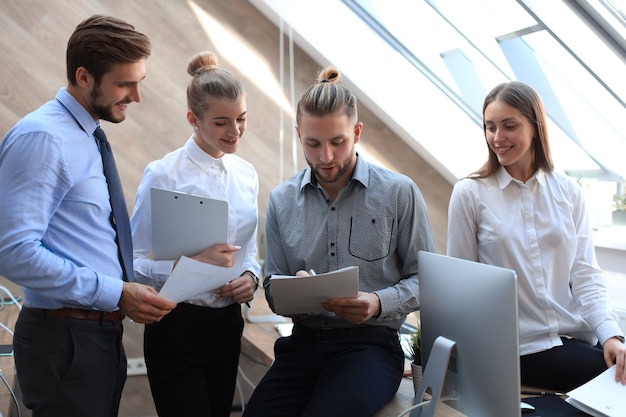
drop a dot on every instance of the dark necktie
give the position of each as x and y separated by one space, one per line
119 216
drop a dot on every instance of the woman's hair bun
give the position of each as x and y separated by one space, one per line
201 62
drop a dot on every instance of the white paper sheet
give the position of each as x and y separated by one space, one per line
191 278
600 397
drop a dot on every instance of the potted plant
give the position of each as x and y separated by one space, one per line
415 350
619 214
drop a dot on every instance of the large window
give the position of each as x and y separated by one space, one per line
427 65
563 49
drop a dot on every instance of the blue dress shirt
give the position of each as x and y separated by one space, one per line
57 241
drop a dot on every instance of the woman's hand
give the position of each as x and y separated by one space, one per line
615 354
241 289
222 254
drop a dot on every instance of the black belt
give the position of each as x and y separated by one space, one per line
335 333
79 313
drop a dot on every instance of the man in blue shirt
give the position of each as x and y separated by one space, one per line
58 242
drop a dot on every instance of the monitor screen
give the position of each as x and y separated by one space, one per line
475 306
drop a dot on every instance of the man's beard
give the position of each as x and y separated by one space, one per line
342 169
101 111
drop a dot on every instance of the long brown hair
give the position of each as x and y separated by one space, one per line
99 42
525 99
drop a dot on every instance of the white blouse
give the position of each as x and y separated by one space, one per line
541 230
191 170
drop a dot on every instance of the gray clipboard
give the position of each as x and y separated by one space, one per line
185 224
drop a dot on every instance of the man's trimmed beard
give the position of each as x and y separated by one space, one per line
103 112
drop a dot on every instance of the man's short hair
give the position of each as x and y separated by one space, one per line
99 42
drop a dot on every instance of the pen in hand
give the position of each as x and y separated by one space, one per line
312 272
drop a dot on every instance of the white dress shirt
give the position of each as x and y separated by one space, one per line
541 230
191 170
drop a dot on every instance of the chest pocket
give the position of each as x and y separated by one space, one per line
370 237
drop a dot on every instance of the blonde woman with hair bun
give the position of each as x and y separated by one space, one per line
192 357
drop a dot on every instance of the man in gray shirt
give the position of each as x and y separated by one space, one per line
341 211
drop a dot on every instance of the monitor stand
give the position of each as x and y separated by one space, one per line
434 375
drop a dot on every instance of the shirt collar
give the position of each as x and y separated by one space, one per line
203 159
361 174
80 114
361 171
504 178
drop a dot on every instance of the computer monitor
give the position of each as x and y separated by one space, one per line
474 306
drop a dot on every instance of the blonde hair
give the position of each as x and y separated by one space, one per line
328 96
209 81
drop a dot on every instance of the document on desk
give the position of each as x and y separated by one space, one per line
300 295
185 224
600 397
191 278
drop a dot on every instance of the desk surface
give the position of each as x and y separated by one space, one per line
258 343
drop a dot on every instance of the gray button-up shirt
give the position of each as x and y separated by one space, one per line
378 222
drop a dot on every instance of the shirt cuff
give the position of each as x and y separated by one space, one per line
110 295
608 330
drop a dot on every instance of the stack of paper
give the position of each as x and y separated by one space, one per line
600 397
305 294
